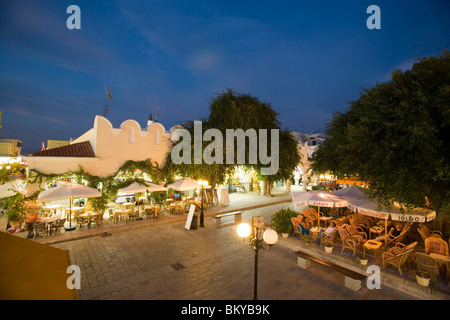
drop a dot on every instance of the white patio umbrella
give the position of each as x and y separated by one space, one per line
68 191
350 193
10 189
317 198
371 207
184 184
136 187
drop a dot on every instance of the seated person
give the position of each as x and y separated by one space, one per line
303 226
328 231
394 232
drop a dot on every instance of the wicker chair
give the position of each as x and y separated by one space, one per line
131 215
398 255
304 230
312 219
40 228
330 238
81 222
98 219
425 232
436 245
400 238
428 265
349 242
295 225
354 232
58 225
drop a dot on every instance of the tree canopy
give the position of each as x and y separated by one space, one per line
396 136
230 110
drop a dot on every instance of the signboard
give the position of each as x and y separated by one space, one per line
225 197
189 217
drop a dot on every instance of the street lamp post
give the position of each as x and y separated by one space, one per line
202 183
269 238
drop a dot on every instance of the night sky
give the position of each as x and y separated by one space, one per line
307 58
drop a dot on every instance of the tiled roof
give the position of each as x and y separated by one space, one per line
81 149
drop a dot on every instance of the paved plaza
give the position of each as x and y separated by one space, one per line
168 262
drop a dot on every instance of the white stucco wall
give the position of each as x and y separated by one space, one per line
112 147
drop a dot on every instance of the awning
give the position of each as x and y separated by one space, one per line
30 270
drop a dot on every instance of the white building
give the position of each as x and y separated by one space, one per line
102 150
307 144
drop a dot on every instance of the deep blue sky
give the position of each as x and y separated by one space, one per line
307 58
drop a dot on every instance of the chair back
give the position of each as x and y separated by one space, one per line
436 245
39 226
426 263
344 233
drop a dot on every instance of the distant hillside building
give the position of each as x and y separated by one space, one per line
10 147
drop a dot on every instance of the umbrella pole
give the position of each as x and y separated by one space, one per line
318 217
385 234
70 215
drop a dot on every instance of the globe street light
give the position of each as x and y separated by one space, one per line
202 183
269 238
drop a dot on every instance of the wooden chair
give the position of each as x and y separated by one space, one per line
310 217
295 225
149 213
349 242
131 216
400 238
40 228
425 232
354 232
98 219
398 255
81 222
330 238
342 220
436 245
58 225
428 265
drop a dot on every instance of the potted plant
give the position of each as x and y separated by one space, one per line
328 245
423 278
16 209
307 239
362 260
281 221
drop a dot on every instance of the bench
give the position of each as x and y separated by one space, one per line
352 278
236 214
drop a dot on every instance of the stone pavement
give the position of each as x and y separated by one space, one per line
167 262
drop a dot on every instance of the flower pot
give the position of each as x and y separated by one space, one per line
328 249
423 281
285 235
362 261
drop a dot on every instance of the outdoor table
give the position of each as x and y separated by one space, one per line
325 220
122 212
372 245
128 205
89 215
48 221
53 207
376 230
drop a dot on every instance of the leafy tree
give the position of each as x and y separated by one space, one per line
396 136
230 110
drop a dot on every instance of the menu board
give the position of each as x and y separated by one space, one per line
189 217
225 197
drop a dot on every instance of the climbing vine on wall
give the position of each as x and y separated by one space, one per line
131 171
